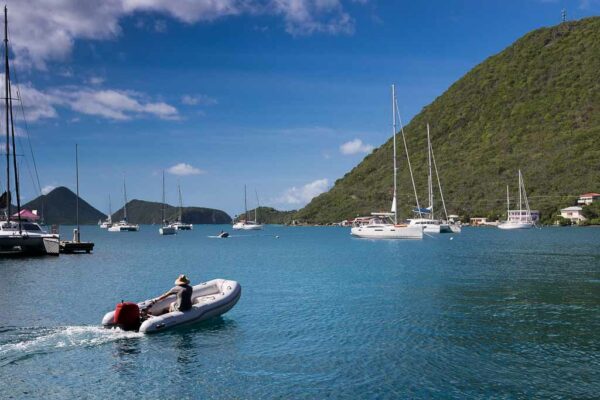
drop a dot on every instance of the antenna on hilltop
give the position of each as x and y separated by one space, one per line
563 15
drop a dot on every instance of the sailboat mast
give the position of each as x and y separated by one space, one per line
8 199
180 203
77 186
520 196
163 198
394 201
430 176
245 205
507 204
125 197
256 209
109 209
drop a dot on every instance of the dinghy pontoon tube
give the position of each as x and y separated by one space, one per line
209 299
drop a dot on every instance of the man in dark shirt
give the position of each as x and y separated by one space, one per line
183 291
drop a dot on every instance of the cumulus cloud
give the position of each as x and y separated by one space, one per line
47 189
304 194
43 30
183 169
355 146
199 99
107 103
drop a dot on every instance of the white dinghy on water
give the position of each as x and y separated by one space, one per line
385 225
209 299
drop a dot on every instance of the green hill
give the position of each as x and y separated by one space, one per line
269 215
148 212
535 106
58 207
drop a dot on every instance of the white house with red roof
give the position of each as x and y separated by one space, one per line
588 198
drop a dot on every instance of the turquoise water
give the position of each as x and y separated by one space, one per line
489 313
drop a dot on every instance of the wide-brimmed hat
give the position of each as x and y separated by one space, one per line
182 280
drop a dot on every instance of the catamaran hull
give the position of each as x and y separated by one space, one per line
515 225
442 228
30 244
387 232
129 228
210 299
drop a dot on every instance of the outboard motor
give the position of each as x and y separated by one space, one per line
127 316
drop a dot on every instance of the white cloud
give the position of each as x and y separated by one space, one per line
183 169
304 194
107 103
47 189
355 146
44 30
199 99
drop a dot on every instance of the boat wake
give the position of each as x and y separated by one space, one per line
21 343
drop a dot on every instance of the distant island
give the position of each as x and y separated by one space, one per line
58 207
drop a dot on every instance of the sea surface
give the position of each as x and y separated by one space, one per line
483 314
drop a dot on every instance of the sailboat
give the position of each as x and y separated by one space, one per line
521 218
123 225
179 224
384 225
107 223
17 235
245 224
165 229
426 216
76 245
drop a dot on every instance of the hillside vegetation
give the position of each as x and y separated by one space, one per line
269 215
535 106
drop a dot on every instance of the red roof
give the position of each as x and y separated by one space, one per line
590 195
28 215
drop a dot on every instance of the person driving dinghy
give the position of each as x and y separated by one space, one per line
183 291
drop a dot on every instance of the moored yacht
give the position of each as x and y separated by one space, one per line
385 225
19 233
165 229
521 218
124 225
244 224
107 223
179 224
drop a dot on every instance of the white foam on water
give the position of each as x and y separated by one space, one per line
47 340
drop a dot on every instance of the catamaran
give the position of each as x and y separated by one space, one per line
521 218
179 224
426 216
18 235
165 229
245 224
384 225
123 225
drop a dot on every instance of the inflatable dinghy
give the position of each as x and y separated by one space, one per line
223 235
209 299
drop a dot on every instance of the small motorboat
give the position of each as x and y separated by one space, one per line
209 299
223 235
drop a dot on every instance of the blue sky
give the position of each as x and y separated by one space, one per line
285 96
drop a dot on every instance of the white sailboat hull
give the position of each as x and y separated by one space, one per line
387 232
431 225
124 228
515 225
247 227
